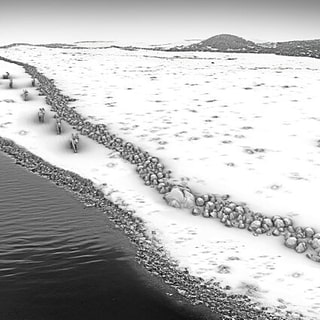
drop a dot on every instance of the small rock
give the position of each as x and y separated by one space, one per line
274 218
196 211
301 247
313 257
315 243
206 214
206 197
227 210
268 222
239 209
199 201
309 232
228 223
255 224
276 232
213 214
287 221
209 205
279 223
233 215
291 242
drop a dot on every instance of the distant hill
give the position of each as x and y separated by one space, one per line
226 42
231 43
218 43
222 43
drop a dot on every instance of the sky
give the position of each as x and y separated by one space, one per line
150 21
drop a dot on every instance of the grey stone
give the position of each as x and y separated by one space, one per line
239 209
210 205
301 247
206 197
199 201
291 242
309 232
276 232
313 257
274 218
315 243
268 222
213 214
233 215
206 213
255 224
279 223
227 210
196 211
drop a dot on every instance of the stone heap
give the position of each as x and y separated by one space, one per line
155 175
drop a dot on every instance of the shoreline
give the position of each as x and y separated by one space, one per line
112 250
150 254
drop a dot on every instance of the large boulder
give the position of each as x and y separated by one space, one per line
180 197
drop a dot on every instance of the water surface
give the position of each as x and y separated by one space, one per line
59 260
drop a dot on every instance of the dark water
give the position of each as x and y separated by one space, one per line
61 261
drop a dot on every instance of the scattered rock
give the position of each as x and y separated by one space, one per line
301 247
291 242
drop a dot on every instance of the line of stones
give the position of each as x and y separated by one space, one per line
150 253
153 172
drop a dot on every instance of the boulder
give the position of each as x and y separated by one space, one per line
309 232
206 214
239 209
301 247
316 236
276 232
255 224
315 243
268 222
200 201
291 242
175 197
209 205
227 210
179 198
213 213
279 223
188 199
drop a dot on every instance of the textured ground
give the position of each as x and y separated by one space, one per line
239 124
